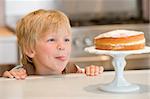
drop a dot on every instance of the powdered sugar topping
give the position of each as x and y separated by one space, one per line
119 33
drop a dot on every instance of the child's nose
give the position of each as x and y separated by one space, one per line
61 46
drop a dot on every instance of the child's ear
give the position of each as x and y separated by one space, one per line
30 52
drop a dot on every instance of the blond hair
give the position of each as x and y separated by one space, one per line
30 28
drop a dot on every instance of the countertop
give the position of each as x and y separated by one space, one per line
73 86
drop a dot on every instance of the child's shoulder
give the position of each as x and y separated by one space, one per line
29 68
70 68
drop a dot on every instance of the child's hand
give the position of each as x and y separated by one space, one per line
93 70
19 73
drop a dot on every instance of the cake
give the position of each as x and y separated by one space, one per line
120 40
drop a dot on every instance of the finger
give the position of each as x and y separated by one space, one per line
15 74
101 69
97 70
87 71
7 74
24 71
21 69
92 70
21 74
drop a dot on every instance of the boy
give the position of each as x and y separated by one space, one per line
44 38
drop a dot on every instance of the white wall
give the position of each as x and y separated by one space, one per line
22 7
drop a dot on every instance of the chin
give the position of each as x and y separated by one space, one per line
60 67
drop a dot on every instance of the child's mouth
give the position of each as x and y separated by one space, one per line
61 58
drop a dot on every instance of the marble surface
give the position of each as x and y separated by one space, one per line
73 86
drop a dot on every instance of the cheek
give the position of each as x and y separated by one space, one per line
68 48
47 49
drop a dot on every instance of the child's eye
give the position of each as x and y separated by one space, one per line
51 40
67 40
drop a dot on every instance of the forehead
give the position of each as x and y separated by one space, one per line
57 31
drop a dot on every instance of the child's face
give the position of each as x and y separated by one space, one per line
52 51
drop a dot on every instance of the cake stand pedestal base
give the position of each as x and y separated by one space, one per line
119 84
112 87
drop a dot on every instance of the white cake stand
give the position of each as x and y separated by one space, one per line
119 84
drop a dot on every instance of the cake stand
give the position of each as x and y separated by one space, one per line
119 84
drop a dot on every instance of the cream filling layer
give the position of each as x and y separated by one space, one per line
126 44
